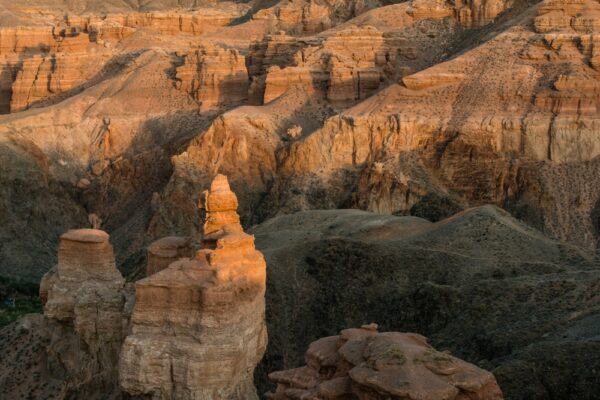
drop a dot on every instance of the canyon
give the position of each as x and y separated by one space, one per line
196 327
430 166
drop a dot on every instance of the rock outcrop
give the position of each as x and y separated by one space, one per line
41 77
120 92
443 132
118 26
311 16
346 67
198 326
214 77
365 364
350 62
84 313
165 251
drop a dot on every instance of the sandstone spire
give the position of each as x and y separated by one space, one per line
221 206
198 326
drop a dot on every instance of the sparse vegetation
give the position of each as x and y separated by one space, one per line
23 293
395 353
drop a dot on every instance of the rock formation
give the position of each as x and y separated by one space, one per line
362 363
41 60
198 326
354 66
120 91
214 77
165 251
84 313
41 77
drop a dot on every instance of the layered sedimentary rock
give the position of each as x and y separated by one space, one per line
344 68
446 132
311 16
195 22
474 13
41 77
83 311
214 77
44 59
363 363
18 39
17 44
350 63
165 251
125 118
198 326
580 16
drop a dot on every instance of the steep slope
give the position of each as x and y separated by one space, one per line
481 284
132 113
103 152
510 122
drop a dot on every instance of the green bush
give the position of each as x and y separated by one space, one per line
26 298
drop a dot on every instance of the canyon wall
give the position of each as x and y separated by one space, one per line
511 121
214 77
43 59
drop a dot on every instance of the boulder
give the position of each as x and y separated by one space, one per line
365 364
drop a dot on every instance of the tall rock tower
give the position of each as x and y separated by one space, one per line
198 326
83 311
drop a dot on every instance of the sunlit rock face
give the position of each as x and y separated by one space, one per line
214 77
365 364
198 326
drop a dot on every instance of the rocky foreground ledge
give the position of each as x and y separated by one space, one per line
365 364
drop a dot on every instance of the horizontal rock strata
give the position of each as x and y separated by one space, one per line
198 326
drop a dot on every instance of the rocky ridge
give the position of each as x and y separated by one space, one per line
480 284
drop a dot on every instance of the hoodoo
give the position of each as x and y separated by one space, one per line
84 300
198 326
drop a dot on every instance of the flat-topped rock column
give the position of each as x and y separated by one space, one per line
84 312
